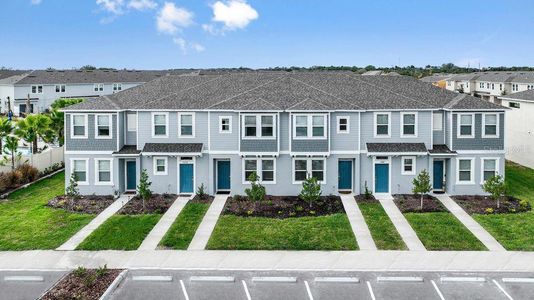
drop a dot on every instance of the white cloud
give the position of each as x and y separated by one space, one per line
171 18
181 43
142 4
198 47
184 45
234 14
112 6
35 2
212 29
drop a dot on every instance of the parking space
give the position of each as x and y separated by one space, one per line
468 286
26 285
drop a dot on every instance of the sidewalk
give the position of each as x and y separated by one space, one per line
202 236
480 233
152 240
401 224
75 240
357 222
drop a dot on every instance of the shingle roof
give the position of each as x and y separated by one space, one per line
396 147
441 149
173 148
284 91
10 73
127 150
436 78
525 95
497 76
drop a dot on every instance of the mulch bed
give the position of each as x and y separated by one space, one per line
91 204
282 207
412 203
206 199
363 199
87 285
158 204
486 205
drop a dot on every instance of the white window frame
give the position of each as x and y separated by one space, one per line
308 168
117 87
154 114
97 171
435 117
128 128
259 127
497 167
62 88
472 171
86 127
310 127
338 119
414 165
86 160
36 89
98 87
259 169
192 114
459 125
104 137
402 134
221 130
375 116
497 127
155 166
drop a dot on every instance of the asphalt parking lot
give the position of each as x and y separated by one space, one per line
17 285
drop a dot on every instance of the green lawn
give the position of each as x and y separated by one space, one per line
382 229
332 232
121 232
514 231
442 231
184 227
26 223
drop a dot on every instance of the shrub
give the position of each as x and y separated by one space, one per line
421 185
524 205
367 193
311 190
256 192
28 173
143 189
489 210
80 272
201 191
72 189
102 271
496 187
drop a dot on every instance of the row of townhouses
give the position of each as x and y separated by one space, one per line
346 130
43 87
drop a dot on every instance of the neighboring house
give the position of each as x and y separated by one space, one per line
491 85
438 80
43 87
520 127
346 130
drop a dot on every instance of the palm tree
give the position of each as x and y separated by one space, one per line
6 128
10 148
57 119
33 127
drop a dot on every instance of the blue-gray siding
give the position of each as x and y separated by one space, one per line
478 143
90 143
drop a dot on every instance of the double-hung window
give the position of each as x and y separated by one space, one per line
466 126
489 168
103 126
263 167
259 126
342 124
160 122
382 123
160 165
117 87
103 171
309 126
78 126
409 124
301 126
408 165
490 125
37 89
250 126
225 124
465 170
98 87
79 169
60 88
304 168
186 124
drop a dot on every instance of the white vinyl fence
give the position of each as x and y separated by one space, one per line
41 160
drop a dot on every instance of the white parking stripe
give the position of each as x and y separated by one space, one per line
371 291
338 279
24 278
213 278
275 279
246 290
308 290
400 278
152 278
463 279
502 290
184 291
518 280
437 290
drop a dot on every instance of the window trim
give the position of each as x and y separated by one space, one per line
116 87
308 168
180 135
154 166
96 87
258 127
62 88
441 125
259 169
472 171
402 134
104 137
229 124
497 124
375 117
459 126
497 167
36 88
338 124
86 182
86 127
414 165
153 115
97 171
309 119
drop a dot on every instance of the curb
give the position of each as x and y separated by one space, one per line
5 195
113 286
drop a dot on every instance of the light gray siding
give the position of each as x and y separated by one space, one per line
91 187
90 143
285 131
344 141
259 144
478 142
131 136
223 141
310 145
438 136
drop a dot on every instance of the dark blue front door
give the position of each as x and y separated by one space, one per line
381 178
186 178
130 175
438 175
344 175
223 175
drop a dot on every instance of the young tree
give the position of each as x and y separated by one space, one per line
311 190
10 148
256 192
33 127
495 186
421 185
6 128
143 189
72 191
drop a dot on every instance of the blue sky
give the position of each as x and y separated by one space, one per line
156 34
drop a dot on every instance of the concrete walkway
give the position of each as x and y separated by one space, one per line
480 233
152 240
403 227
357 222
202 236
75 240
